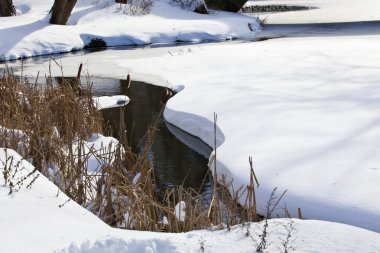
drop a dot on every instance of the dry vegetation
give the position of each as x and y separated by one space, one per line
135 7
49 125
187 4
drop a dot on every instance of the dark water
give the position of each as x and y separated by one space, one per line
84 51
174 162
272 8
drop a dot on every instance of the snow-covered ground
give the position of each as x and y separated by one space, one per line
306 108
31 34
41 219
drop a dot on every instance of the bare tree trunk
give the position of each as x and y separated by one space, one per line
226 5
201 9
6 8
61 11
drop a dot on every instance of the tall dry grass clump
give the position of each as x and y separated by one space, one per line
41 121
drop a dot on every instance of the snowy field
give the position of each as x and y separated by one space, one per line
306 108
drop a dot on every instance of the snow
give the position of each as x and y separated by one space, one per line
105 102
180 211
48 222
30 33
305 107
31 219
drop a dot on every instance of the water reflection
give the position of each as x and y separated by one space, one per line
173 161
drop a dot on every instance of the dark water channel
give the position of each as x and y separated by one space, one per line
174 162
274 8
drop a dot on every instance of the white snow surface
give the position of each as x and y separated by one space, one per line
30 33
41 219
31 219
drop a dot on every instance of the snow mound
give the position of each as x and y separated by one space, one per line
41 207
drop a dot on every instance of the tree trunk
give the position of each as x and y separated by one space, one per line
61 11
6 8
226 5
201 9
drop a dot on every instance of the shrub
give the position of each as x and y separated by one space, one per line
136 7
188 4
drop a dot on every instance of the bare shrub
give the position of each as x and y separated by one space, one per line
187 4
287 243
136 7
271 205
15 174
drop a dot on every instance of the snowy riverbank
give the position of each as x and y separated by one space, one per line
306 109
30 33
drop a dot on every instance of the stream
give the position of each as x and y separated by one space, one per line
174 162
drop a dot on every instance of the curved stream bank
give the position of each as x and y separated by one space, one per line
173 161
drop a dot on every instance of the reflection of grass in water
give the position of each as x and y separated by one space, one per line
172 160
